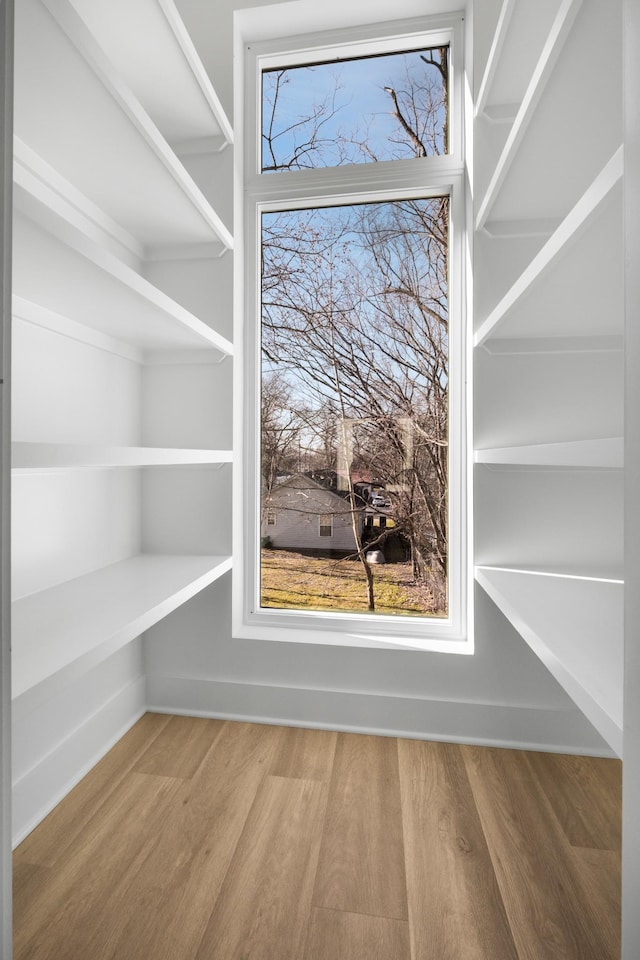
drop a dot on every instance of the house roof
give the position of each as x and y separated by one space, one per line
316 491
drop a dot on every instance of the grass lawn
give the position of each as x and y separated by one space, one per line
293 581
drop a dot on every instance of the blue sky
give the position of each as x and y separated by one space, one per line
361 101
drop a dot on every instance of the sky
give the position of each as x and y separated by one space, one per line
361 100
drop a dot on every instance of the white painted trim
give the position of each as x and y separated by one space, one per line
569 229
531 727
541 74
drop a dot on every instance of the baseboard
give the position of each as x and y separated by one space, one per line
523 727
40 789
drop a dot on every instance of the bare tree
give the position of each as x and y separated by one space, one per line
279 431
326 128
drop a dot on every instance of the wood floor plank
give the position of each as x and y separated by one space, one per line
334 935
180 747
51 838
304 754
455 905
361 867
30 883
548 912
75 916
599 873
264 906
167 908
586 796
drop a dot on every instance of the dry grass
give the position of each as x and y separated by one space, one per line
293 581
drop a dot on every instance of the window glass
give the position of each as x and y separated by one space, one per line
385 107
354 409
326 525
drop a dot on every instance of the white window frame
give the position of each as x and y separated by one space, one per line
365 182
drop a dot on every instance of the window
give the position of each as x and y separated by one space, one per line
354 337
326 525
271 517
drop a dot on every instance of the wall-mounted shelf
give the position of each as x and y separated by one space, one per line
574 625
103 142
549 339
519 35
122 385
600 205
554 129
148 45
61 632
549 517
80 280
604 453
27 456
527 27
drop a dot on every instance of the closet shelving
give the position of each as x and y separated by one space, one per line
121 482
548 342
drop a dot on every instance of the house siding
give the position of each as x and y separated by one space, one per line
298 504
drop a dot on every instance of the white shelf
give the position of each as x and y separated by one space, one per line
605 453
62 456
574 625
549 517
571 230
61 632
548 55
526 346
74 109
78 279
149 46
519 35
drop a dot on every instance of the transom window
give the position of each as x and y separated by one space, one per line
391 106
354 334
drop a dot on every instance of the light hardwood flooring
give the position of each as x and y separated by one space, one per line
213 840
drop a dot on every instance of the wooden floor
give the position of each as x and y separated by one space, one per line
211 840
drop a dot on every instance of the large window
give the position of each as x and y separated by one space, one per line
354 342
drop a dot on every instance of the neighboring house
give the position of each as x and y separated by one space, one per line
300 514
